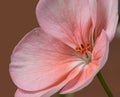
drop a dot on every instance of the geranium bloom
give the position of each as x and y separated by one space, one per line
67 51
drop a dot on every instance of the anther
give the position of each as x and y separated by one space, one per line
83 49
87 46
77 49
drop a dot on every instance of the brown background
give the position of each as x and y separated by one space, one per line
17 17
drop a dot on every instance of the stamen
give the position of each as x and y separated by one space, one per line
83 49
88 46
77 49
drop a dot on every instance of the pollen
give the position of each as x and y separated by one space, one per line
83 49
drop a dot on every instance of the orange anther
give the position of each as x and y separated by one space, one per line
77 49
88 46
83 49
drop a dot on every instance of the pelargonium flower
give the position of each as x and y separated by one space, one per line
68 49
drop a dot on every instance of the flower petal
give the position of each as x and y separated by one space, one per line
101 49
68 20
99 57
107 17
50 91
81 80
40 61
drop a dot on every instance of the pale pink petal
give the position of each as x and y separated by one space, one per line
107 17
101 49
50 91
81 81
40 61
68 20
93 11
99 57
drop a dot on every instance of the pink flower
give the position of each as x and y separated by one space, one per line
68 50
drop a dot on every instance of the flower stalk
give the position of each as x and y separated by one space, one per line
104 85
67 95
61 95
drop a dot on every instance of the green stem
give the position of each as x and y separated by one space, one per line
67 95
104 85
60 95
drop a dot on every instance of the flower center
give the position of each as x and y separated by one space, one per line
83 49
84 52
